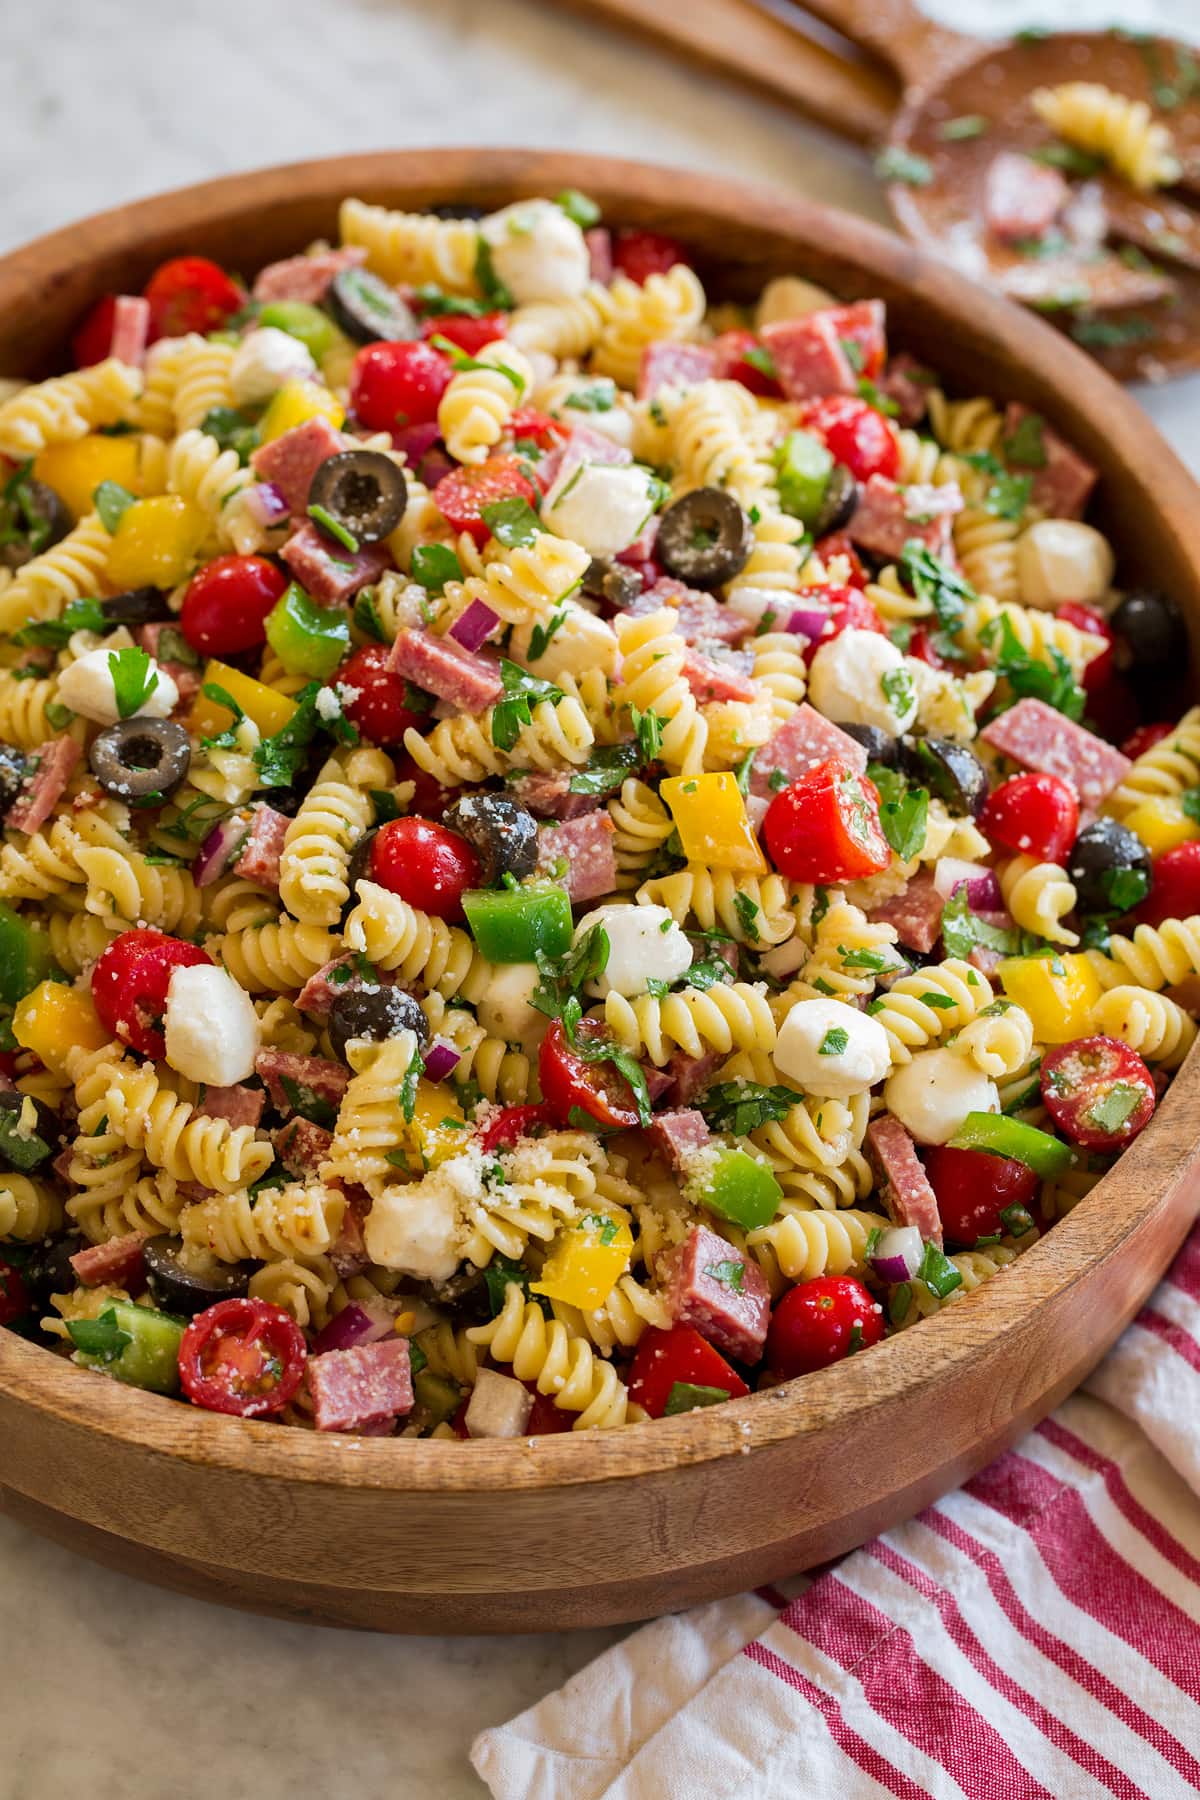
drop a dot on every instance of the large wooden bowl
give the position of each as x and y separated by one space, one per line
572 1530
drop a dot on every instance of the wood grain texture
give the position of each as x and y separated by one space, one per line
573 1530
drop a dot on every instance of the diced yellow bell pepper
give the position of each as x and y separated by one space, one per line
1058 992
76 470
53 1019
710 816
438 1127
266 708
295 402
1161 824
156 542
586 1261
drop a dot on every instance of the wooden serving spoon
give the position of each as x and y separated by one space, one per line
1119 270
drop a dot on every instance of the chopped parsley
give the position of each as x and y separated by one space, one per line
596 396
747 911
366 616
511 521
490 284
1026 444
607 769
540 636
112 502
433 565
897 164
133 679
1116 1107
760 358
522 692
103 1337
462 363
835 1041
931 579
579 208
967 125
232 431
77 615
730 1274
741 1107
686 1396
648 728
563 976
1028 676
310 1105
938 1272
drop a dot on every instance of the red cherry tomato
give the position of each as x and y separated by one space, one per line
596 1088
642 253
1145 738
1036 814
855 433
1098 1091
836 543
130 982
393 385
819 1323
466 330
227 602
14 1295
426 865
1100 670
242 1356
504 1128
733 364
545 1419
861 323
825 826
1174 886
380 710
922 646
461 495
93 340
190 293
430 799
528 424
665 1357
849 610
974 1189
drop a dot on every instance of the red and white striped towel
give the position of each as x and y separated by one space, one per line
1036 1634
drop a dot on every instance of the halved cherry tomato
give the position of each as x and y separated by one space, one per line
380 709
732 364
1036 814
15 1300
596 1088
825 826
461 495
642 253
974 1188
678 1355
1145 738
226 604
529 425
468 330
1089 618
545 1419
855 433
93 340
393 385
922 646
1174 886
242 1356
190 293
836 543
430 799
504 1128
130 982
425 864
819 1323
1098 1091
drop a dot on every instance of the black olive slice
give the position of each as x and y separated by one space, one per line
1105 865
49 1270
36 519
502 833
840 502
367 309
1152 627
139 606
141 758
951 770
375 1013
879 745
14 766
705 538
363 491
177 1288
613 582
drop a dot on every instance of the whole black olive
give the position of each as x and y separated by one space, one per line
452 210
138 606
840 502
359 868
35 519
363 491
49 1270
375 1013
705 538
141 758
1110 867
613 582
367 309
502 833
177 1288
1152 628
28 1149
951 771
879 745
14 767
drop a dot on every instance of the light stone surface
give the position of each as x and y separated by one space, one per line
113 1690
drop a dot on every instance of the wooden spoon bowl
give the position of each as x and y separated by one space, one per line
590 1529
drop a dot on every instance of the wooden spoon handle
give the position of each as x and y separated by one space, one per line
895 30
737 37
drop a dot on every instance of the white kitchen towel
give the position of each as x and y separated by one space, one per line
1035 1634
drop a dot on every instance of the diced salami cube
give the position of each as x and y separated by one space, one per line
600 256
690 1075
915 914
680 1134
302 1147
362 1387
1063 481
803 741
349 1252
305 277
259 858
1022 198
711 680
296 1082
586 845
674 365
329 571
131 329
862 323
240 1105
587 445
167 645
546 793
906 382
888 515
291 461
701 617
809 357
718 1291
904 1186
1036 736
115 1264
658 1083
465 679
44 784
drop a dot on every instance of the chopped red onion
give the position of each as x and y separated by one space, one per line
897 1254
475 626
212 858
440 1059
362 1322
415 440
952 872
808 621
434 466
265 503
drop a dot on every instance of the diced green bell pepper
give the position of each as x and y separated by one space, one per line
20 1150
686 1396
1045 1155
436 1395
804 466
511 925
134 1344
308 639
736 1185
315 329
25 957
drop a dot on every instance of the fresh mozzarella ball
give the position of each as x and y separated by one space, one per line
644 942
615 422
265 361
932 1095
212 1029
580 643
416 1229
537 252
834 1066
505 1012
499 1406
86 686
860 678
1060 560
788 297
602 506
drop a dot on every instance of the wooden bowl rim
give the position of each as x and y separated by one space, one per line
1120 1204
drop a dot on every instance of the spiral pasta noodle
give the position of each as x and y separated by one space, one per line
301 1219
1039 895
284 954
24 719
1163 771
186 1144
396 937
914 1013
808 1244
643 826
724 1018
667 307
67 407
413 247
66 572
479 401
29 1210
318 845
200 471
565 1368
463 749
371 1119
1152 1024
749 909
652 680
998 1040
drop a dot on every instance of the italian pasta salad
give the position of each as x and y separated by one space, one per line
570 850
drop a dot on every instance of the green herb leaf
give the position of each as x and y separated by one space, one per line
929 578
608 768
1008 496
540 636
703 975
433 565
686 1396
648 728
1051 681
522 692
760 358
77 615
578 207
1069 159
1124 888
232 430
280 758
112 502
741 1107
497 1277
962 930
101 1337
1111 334
904 820
836 1039
408 1087
462 362
133 679
604 1049
563 976
1016 1220
897 164
324 519
512 522
311 1106
23 519
597 396
967 125
1026 445
432 301
900 692
874 395
366 616
730 1274
491 287
1116 1107
938 1272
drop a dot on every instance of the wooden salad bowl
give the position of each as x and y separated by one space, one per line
611 1526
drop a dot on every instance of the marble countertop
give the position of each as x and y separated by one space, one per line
113 1689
